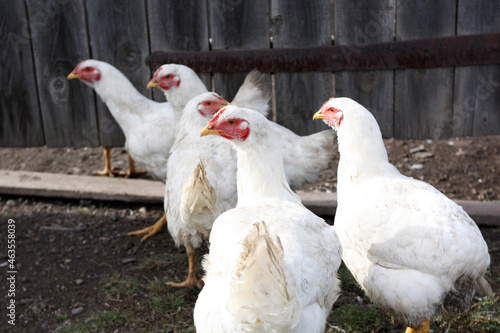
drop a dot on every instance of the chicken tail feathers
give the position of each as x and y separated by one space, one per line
309 156
254 93
484 287
259 285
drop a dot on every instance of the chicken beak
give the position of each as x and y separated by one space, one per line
72 76
208 130
153 84
318 115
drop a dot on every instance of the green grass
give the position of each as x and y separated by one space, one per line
483 316
353 313
157 285
123 286
101 322
141 302
170 303
347 282
62 317
494 277
158 262
358 317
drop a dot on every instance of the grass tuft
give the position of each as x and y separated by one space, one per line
61 317
483 316
101 322
126 286
358 317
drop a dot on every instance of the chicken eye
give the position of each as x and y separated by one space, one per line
88 69
231 122
209 103
332 109
168 76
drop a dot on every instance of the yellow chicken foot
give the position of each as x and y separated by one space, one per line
108 171
132 171
424 327
151 230
191 280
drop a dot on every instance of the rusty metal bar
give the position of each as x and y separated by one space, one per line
438 52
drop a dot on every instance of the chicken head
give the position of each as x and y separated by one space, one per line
330 115
210 105
165 79
227 127
85 71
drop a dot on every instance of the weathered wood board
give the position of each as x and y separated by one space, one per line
424 97
364 22
44 40
179 26
300 95
237 25
59 38
476 104
125 46
20 118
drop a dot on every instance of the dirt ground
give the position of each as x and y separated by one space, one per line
71 253
462 168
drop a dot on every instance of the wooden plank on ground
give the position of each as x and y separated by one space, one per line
43 184
424 97
20 119
59 40
476 107
178 26
119 36
364 22
300 95
46 184
237 25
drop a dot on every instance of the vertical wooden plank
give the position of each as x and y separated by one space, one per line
299 95
59 41
424 97
178 25
476 107
361 22
119 36
20 118
237 25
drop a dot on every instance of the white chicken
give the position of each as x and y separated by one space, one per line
305 157
200 180
413 251
272 263
149 126
181 84
189 218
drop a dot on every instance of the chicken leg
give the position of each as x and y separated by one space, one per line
132 171
424 327
191 280
151 230
108 171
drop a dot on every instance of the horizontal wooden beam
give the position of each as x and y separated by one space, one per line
44 184
437 52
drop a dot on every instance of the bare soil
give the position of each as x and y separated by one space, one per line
70 253
462 168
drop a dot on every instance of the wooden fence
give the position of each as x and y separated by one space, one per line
42 41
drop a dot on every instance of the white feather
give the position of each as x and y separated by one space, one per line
272 263
148 126
413 250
